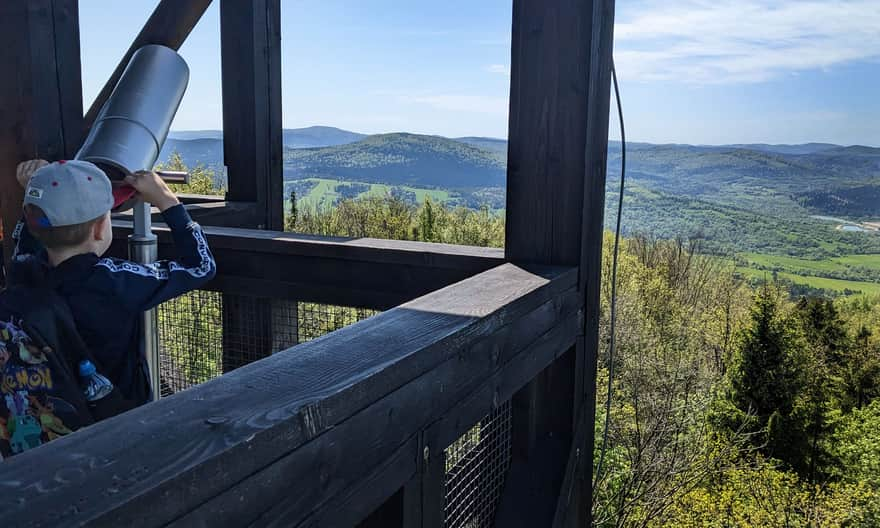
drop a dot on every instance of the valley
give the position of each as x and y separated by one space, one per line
806 213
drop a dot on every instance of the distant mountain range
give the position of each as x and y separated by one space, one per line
206 146
401 159
785 181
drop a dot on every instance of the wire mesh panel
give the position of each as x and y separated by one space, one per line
316 320
256 327
203 334
476 466
190 340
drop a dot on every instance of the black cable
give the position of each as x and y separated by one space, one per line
613 281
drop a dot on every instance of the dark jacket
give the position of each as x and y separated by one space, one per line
107 297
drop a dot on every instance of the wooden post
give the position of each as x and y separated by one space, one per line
601 52
41 93
555 203
250 33
252 143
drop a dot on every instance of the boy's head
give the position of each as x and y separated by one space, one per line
67 206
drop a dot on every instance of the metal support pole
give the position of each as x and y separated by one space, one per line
143 249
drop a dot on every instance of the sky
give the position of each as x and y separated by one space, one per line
691 71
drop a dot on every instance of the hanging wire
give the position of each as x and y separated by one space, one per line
612 341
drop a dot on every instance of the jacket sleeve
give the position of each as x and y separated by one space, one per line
145 286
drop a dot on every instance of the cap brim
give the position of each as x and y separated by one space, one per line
122 197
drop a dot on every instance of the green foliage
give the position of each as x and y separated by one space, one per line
766 376
760 494
191 336
201 179
392 217
726 228
401 159
856 445
851 267
678 313
788 380
735 409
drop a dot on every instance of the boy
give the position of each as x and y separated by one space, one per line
67 222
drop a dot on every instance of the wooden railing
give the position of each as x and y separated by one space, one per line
348 428
369 273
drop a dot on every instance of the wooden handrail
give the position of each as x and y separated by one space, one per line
361 272
288 437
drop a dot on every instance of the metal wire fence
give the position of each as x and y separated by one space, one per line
203 334
476 466
316 320
190 340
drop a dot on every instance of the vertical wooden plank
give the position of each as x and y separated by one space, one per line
601 52
412 502
547 130
247 330
252 142
285 324
41 110
555 203
14 123
250 34
433 485
65 18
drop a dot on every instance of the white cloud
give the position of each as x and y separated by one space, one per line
720 41
500 69
479 104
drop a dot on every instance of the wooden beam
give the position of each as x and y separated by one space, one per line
601 51
549 194
547 130
252 138
169 25
215 212
218 454
250 35
41 110
368 273
368 498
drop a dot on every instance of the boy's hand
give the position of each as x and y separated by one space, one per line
152 189
26 169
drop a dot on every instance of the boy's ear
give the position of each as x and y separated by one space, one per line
98 229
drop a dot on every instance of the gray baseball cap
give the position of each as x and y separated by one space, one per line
69 193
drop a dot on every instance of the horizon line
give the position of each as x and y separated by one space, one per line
495 138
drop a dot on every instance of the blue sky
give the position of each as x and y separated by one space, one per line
691 71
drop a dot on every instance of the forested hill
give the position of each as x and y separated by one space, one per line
401 159
782 180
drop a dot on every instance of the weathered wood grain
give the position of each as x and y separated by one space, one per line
371 497
154 464
602 42
555 199
373 434
41 95
370 273
250 37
